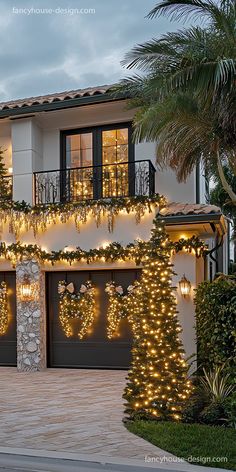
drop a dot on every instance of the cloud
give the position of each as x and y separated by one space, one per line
48 52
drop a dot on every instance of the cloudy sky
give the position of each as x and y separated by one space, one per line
62 49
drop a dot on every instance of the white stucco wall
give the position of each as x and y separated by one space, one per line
126 230
35 146
5 143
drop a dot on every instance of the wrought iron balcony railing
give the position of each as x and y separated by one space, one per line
105 181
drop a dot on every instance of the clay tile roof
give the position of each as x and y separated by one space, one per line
55 97
175 209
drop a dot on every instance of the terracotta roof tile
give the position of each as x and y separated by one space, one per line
174 209
55 97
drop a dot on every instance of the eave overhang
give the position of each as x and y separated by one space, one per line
59 105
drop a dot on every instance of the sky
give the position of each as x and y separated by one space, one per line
52 45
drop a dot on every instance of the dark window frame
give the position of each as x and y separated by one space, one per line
97 154
97 141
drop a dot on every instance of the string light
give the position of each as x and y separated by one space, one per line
139 252
79 305
118 307
158 383
4 319
22 217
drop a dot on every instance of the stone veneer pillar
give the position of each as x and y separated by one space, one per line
31 320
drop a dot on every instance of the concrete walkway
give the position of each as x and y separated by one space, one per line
76 411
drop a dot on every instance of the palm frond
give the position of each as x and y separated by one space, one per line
186 9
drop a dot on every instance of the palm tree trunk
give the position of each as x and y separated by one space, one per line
224 182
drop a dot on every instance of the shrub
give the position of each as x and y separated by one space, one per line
216 383
230 409
216 321
194 406
213 414
213 401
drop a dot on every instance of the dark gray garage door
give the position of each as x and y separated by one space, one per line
8 340
96 351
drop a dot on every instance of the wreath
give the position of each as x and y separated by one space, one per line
80 305
3 308
118 306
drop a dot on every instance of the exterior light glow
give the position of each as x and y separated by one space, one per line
185 286
26 290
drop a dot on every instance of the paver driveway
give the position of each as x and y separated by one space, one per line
67 410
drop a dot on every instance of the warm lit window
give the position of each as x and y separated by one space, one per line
79 150
115 146
98 162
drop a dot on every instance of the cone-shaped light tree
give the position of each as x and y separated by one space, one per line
158 384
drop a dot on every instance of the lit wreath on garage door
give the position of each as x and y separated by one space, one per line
80 305
119 307
4 319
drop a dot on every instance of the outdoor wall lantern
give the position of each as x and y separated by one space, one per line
185 286
26 290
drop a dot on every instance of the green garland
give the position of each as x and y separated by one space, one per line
118 203
20 216
113 252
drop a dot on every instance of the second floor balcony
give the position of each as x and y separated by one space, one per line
136 178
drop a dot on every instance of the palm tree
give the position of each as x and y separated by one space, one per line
185 93
219 197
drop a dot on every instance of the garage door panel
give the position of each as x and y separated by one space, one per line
92 355
96 350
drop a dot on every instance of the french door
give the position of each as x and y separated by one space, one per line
97 162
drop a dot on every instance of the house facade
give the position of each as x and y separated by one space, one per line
71 159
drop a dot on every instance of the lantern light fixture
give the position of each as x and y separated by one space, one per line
185 286
26 289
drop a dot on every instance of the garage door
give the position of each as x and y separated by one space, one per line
8 339
96 351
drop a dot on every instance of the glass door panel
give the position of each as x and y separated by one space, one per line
115 174
79 158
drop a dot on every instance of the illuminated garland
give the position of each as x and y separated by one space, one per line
113 252
21 216
118 307
3 308
79 305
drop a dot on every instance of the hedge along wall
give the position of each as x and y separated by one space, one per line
216 321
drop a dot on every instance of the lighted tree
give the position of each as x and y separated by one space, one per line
5 189
158 382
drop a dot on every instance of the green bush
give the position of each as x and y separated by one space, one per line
194 406
230 409
216 322
213 400
213 414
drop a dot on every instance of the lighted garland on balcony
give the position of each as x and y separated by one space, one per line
3 308
114 252
21 216
80 306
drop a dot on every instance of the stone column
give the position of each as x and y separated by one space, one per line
31 319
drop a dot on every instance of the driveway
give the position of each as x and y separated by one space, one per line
77 411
